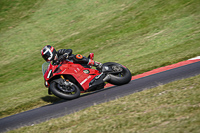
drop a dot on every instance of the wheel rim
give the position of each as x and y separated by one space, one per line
66 89
118 69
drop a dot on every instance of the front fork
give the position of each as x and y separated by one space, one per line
62 77
66 82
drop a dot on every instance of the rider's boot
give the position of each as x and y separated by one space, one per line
91 56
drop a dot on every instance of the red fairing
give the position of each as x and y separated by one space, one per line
81 74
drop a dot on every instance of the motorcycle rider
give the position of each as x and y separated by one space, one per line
50 54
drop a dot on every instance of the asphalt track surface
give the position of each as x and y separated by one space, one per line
67 107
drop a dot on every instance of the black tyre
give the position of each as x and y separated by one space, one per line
123 77
64 92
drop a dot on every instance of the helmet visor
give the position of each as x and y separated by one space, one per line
47 56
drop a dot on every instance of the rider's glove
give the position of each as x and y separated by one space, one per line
62 57
66 55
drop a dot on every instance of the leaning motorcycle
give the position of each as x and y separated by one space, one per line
67 79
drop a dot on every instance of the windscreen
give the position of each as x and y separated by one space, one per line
44 67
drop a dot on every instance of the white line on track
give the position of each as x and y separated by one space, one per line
198 57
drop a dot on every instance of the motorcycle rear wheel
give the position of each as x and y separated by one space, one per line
123 77
60 92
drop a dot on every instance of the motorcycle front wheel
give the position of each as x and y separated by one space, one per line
64 92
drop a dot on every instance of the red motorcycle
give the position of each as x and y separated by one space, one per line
67 80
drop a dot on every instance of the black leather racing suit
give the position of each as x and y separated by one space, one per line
76 58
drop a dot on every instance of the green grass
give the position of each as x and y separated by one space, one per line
173 107
141 35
